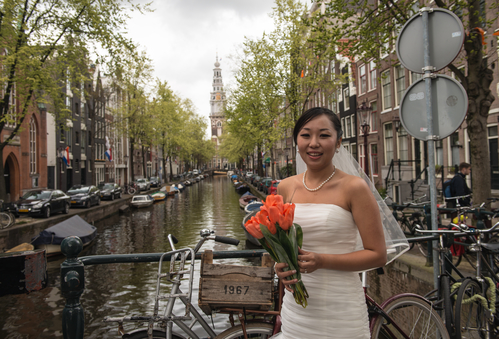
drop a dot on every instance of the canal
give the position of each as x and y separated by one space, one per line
126 289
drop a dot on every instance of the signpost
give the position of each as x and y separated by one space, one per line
428 42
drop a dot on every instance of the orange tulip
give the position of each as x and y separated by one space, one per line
264 220
274 215
275 200
287 216
253 228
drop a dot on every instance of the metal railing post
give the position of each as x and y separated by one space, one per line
72 286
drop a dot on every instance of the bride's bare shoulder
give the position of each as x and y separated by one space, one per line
287 186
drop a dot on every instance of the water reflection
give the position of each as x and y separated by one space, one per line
114 290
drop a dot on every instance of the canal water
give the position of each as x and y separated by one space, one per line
128 289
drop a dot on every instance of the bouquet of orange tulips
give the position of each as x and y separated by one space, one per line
273 227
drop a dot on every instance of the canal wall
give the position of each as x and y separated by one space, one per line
22 233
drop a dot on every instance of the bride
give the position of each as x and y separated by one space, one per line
333 209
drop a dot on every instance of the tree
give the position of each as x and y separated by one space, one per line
368 28
44 44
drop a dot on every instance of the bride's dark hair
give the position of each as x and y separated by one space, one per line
313 113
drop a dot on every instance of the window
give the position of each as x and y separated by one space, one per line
385 47
77 137
83 140
348 127
346 98
374 116
69 137
373 79
12 117
353 150
439 152
455 145
403 144
388 143
32 146
352 127
89 138
374 158
343 125
415 77
77 108
386 89
362 79
400 83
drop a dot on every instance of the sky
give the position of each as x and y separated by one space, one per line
182 37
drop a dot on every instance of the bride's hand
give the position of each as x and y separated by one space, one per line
283 274
308 261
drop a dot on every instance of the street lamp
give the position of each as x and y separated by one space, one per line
364 111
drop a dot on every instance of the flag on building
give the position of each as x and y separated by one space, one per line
65 156
108 153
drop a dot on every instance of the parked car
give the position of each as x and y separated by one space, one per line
110 190
273 186
143 184
154 181
44 203
255 179
249 174
260 183
195 172
84 195
266 183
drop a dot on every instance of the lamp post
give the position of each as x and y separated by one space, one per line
364 110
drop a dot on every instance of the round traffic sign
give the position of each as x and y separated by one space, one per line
449 104
446 37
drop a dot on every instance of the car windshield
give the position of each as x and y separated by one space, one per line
78 190
141 181
37 195
154 178
106 186
139 198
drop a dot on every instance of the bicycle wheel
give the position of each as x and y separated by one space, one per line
470 316
447 304
156 334
253 330
5 220
407 229
413 316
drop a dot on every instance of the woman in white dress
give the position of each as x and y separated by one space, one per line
333 208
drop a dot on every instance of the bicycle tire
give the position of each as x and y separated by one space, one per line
407 229
5 220
447 303
413 316
470 317
253 330
131 191
156 334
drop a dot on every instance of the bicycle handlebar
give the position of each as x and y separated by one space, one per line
462 230
227 240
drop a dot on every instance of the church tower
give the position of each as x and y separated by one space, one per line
217 101
217 117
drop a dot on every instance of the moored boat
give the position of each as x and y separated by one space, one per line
241 189
50 238
159 196
253 206
142 200
246 199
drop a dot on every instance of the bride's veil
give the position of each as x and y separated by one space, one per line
396 242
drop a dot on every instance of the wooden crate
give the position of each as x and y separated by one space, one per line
234 286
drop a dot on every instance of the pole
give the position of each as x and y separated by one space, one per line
366 131
428 68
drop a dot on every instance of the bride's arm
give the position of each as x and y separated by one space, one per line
366 215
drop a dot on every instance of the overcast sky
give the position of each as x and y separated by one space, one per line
182 38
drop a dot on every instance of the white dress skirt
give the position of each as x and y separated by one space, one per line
336 304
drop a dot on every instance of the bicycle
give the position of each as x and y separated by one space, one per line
131 188
7 218
262 328
472 298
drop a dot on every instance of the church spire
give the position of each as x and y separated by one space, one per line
217 100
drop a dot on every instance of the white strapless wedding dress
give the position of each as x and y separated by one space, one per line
336 304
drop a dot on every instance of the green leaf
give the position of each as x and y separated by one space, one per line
299 235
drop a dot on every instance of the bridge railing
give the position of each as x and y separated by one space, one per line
73 277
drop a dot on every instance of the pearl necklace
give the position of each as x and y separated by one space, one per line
320 186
